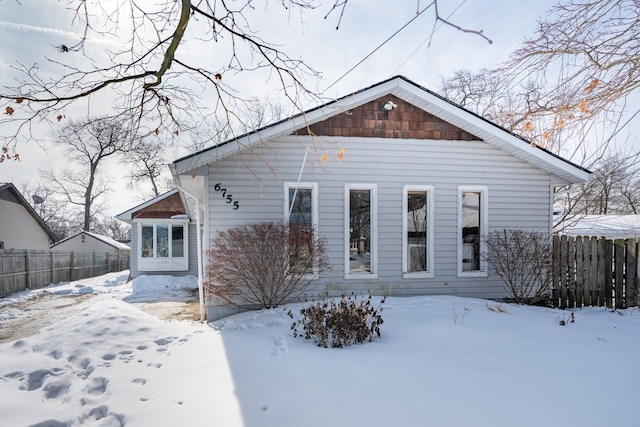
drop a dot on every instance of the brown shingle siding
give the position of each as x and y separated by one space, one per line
406 121
165 208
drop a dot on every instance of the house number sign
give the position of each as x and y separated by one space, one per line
227 197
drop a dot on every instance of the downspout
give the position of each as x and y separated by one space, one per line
199 250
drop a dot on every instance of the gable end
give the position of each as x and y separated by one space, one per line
165 208
404 121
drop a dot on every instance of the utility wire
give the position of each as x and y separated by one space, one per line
623 126
427 39
379 46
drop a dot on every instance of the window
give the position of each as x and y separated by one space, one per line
360 230
301 203
472 226
417 231
162 245
301 210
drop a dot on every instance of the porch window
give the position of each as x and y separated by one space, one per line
472 226
301 210
163 245
360 230
417 232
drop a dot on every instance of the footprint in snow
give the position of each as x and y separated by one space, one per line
280 345
96 386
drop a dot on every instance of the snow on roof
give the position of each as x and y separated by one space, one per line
609 226
109 241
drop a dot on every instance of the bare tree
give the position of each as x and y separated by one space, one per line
614 189
147 72
585 58
594 43
148 164
571 78
88 144
113 228
49 206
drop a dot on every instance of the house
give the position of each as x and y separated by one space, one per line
86 241
607 226
161 236
20 225
400 182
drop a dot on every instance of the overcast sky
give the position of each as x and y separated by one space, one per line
31 30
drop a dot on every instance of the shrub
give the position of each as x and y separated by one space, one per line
264 264
523 261
340 323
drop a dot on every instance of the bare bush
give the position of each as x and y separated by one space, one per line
264 264
340 323
523 261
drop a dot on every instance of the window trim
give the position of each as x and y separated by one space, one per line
373 274
156 263
313 186
484 224
429 273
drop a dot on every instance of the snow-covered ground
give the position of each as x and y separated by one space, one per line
441 361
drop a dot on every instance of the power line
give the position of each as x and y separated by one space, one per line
379 46
623 126
427 39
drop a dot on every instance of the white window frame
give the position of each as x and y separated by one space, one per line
313 186
429 190
169 263
373 189
484 228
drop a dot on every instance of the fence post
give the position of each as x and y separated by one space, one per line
608 273
71 267
52 266
579 271
555 268
630 293
636 279
619 273
564 271
571 268
593 242
27 267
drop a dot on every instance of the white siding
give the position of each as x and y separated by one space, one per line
18 229
520 198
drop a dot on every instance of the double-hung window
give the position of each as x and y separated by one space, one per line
417 231
472 227
361 230
301 211
163 245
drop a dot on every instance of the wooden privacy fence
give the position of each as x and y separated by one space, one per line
593 271
31 269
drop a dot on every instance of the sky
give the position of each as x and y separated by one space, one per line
31 30
443 361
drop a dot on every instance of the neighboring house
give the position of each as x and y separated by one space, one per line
400 182
163 237
608 226
20 226
86 241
